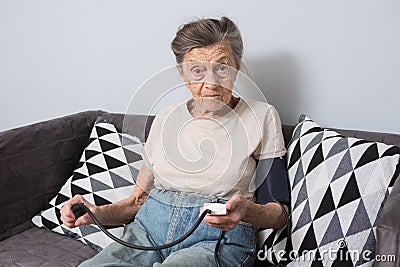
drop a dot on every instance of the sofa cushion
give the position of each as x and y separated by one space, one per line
41 247
338 187
105 174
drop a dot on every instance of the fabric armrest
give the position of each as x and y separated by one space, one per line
388 230
35 161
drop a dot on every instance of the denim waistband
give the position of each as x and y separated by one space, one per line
184 199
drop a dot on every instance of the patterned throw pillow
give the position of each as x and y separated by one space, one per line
273 246
105 174
338 186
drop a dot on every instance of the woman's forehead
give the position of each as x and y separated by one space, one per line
221 53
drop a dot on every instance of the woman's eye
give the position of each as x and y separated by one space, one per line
222 70
197 73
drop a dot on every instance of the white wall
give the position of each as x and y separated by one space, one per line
337 61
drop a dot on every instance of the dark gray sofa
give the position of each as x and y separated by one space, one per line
37 159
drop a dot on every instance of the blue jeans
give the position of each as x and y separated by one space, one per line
166 216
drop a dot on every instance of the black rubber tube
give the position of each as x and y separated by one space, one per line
221 234
77 209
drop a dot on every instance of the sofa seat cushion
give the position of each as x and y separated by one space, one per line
41 247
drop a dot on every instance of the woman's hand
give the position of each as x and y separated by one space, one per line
68 217
269 215
236 207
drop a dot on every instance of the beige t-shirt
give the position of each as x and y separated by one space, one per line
212 156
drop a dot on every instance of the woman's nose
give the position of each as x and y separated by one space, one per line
210 80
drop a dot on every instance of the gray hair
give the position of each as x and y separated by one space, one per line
207 32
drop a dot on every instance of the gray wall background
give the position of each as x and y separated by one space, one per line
337 61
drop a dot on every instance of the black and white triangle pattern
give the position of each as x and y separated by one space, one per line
273 246
338 186
105 174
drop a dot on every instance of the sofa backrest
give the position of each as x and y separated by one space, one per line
387 138
140 125
137 125
35 161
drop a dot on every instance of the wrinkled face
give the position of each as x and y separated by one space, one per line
209 73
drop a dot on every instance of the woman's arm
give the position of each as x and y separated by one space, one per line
118 213
268 215
124 211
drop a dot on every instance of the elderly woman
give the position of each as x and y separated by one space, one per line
170 192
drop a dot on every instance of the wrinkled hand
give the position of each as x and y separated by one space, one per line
68 217
236 208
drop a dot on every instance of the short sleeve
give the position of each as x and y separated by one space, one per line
151 141
154 138
272 144
145 154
